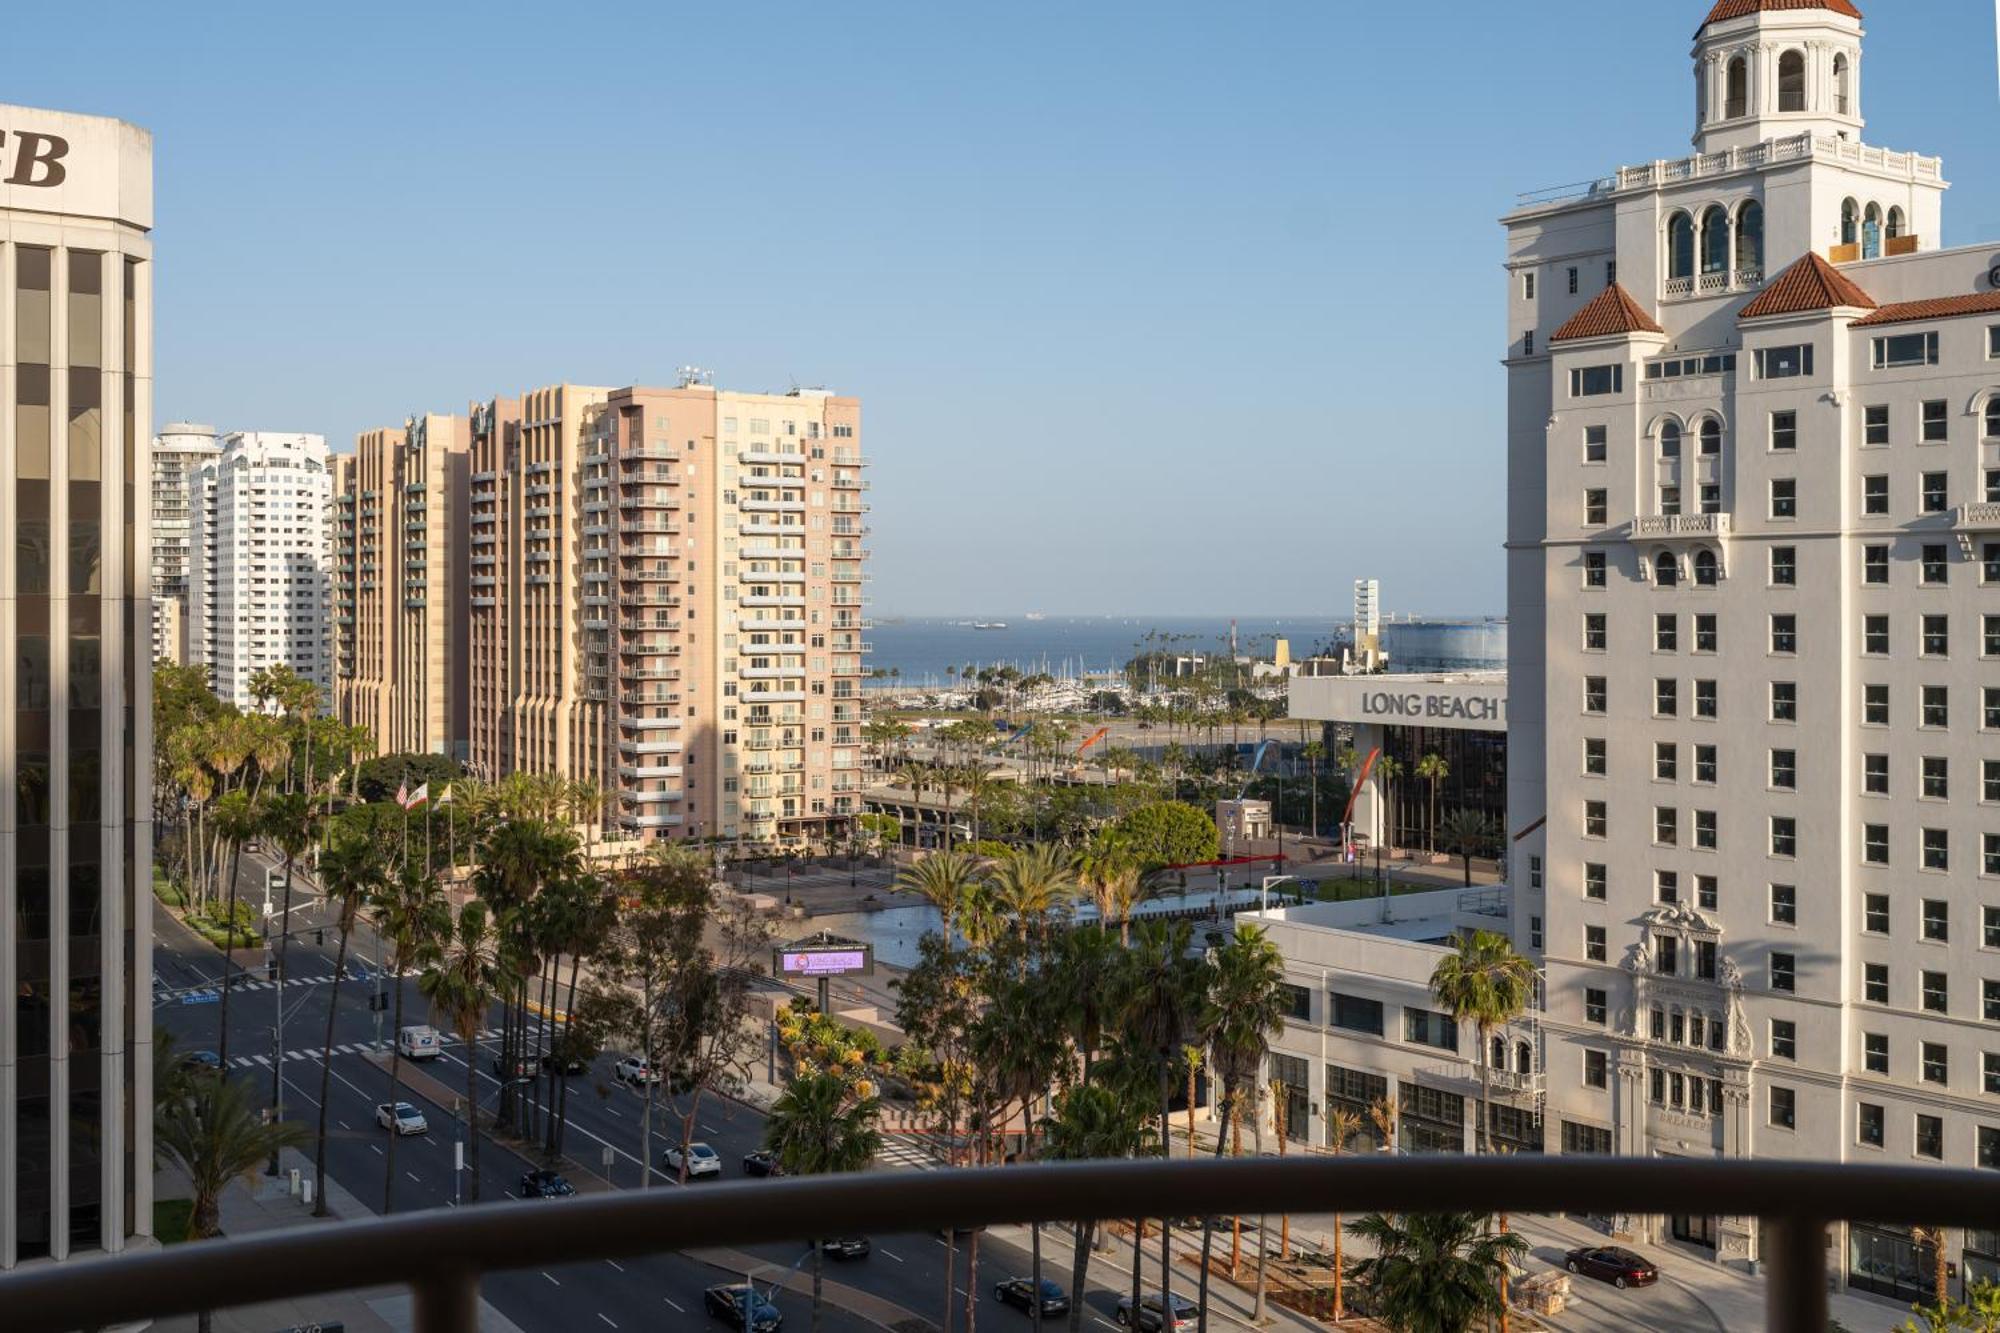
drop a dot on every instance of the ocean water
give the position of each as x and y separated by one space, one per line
921 648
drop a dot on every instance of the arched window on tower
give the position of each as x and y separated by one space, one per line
1666 569
1670 439
1714 240
1680 246
1524 1058
1705 569
1993 417
1850 222
1841 95
1871 232
1736 90
1792 81
1898 224
1750 241
1711 438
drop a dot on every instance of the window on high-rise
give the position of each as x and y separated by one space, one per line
1875 424
1875 705
1875 844
1936 415
1785 769
1935 492
1875 494
1785 430
1784 905
1875 635
1593 569
1705 696
1875 983
1899 350
1784 701
1792 81
1784 497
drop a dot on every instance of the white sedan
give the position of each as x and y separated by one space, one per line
402 1118
701 1160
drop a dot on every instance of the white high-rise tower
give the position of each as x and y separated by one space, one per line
1754 594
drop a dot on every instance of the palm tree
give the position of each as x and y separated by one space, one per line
1091 1122
1433 769
1342 1125
942 879
1161 1003
1484 981
1242 1010
819 1126
289 823
462 983
1192 1060
1465 832
916 777
1082 970
1313 752
1031 884
1388 772
352 870
237 819
411 916
1434 1272
1111 871
213 1131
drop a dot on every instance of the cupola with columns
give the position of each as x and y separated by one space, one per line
1771 69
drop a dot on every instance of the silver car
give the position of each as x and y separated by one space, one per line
402 1118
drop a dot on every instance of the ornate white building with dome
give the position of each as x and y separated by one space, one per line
1754 652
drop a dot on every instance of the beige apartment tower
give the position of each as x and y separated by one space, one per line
663 591
401 608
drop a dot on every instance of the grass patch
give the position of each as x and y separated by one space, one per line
171 1218
1353 888
166 890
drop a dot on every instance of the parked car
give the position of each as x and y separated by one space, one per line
1611 1263
402 1118
419 1041
762 1162
545 1185
570 1067
701 1160
727 1301
631 1069
520 1067
1187 1315
845 1247
1018 1292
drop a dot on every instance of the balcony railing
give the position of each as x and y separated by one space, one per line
440 1255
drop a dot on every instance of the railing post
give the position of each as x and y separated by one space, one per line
1795 1290
447 1302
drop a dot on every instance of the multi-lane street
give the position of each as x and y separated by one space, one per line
604 1115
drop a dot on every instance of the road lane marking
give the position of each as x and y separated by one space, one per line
614 1111
377 1147
344 1124
413 1176
676 1304
615 1264
552 1281
891 1253
606 1318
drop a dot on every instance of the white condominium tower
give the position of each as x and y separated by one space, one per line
178 450
1754 592
260 562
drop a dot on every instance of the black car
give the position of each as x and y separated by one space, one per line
207 1062
545 1185
845 1247
1017 1292
519 1067
762 1162
1611 1263
726 1301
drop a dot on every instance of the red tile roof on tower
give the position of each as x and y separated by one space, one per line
1938 307
1736 9
1610 313
1810 284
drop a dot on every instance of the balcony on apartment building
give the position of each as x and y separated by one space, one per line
636 723
771 599
640 772
765 622
654 819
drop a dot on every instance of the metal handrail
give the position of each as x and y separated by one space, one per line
441 1254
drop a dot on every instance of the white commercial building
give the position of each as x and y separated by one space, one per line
76 741
261 562
178 450
1754 589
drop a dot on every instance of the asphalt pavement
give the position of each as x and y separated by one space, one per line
659 1291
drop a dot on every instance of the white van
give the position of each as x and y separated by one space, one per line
420 1042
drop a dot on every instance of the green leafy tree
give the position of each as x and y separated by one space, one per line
942 879
413 919
1031 885
1160 1003
1170 833
1093 1122
1979 1312
237 820
1434 1272
820 1126
1484 982
352 869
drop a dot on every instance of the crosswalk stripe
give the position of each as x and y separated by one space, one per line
264 1060
242 1062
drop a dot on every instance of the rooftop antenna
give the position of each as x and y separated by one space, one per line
694 375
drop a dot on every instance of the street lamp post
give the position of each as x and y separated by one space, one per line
1264 895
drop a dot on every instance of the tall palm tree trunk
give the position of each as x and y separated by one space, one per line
818 1259
950 1265
1079 1273
569 1021
395 1090
1208 1221
1166 1223
326 1072
228 961
470 1032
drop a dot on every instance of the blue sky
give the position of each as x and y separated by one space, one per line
1153 307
